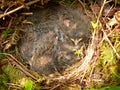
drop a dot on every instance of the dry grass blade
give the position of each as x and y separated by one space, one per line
18 8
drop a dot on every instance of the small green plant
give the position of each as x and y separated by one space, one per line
7 32
10 75
108 60
108 56
17 78
13 73
94 24
3 80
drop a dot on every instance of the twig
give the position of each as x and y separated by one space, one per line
99 15
83 6
106 37
19 65
16 9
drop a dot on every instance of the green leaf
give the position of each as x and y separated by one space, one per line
28 85
94 24
11 51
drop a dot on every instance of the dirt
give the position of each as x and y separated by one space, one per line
49 44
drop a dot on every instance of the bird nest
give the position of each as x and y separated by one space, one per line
87 71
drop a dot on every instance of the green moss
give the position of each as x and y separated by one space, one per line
7 32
